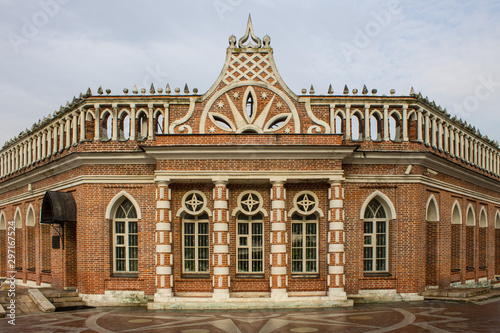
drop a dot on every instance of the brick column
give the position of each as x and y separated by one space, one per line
279 259
336 239
220 258
163 239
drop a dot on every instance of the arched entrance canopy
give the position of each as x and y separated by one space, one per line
58 208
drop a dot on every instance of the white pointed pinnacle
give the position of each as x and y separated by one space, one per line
249 34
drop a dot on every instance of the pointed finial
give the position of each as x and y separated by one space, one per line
364 91
152 89
249 34
330 90
99 90
346 90
81 96
135 91
311 90
88 93
168 90
186 89
412 91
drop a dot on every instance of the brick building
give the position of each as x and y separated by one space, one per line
250 194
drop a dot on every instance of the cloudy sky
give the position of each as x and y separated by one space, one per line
51 50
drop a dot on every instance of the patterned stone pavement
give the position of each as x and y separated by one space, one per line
428 316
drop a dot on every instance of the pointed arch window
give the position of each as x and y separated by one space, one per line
126 239
375 248
250 106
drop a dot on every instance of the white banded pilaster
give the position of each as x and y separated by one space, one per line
220 257
163 239
279 259
336 239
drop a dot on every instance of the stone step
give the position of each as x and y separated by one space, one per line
60 305
64 299
454 292
59 293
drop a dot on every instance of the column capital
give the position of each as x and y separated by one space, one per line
278 180
220 180
336 180
163 182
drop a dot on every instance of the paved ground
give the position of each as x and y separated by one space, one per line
426 316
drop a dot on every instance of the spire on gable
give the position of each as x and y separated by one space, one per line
249 60
249 37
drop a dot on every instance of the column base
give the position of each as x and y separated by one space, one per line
279 294
163 295
220 294
337 293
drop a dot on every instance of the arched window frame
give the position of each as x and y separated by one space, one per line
195 214
124 122
142 124
304 233
126 237
373 229
106 125
432 203
497 220
483 222
471 216
376 125
456 207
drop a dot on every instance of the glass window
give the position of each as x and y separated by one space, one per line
250 244
304 244
196 243
375 238
126 241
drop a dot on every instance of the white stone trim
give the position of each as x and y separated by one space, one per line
221 270
163 204
113 203
163 248
223 226
278 248
221 249
335 248
336 226
163 270
336 270
163 226
275 226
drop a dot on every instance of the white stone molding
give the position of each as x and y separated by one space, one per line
253 198
384 201
179 123
319 123
308 200
116 200
191 200
432 201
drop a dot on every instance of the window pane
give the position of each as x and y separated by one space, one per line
380 265
296 241
380 252
203 228
189 253
132 227
203 253
189 266
243 266
297 229
297 266
133 253
243 228
310 254
256 254
311 229
120 253
203 240
120 265
189 241
381 239
311 241
257 241
368 265
257 266
132 240
368 227
243 241
257 228
203 267
368 240
368 253
243 254
120 240
311 267
120 227
381 227
296 254
189 228
133 266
